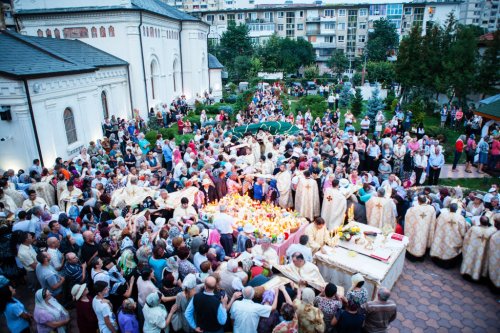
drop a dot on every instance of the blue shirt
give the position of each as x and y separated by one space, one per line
258 192
12 313
157 265
189 314
167 153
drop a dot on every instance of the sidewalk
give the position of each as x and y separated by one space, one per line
460 173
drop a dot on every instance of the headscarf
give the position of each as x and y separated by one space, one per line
52 306
153 300
214 237
126 242
268 297
189 282
308 296
356 278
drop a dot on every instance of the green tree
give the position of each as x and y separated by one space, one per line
311 72
285 54
374 105
357 102
269 54
460 63
381 71
488 77
356 79
234 43
345 96
338 63
256 66
242 68
391 96
382 40
407 69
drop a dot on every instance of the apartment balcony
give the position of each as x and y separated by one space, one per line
312 19
322 58
323 45
328 19
328 32
312 32
261 29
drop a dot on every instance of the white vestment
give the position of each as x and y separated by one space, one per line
307 198
474 261
380 211
418 223
334 208
284 185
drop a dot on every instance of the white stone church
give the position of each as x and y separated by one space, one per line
73 63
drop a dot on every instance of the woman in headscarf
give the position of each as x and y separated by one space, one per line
155 314
189 289
214 242
176 156
49 315
272 194
266 325
358 294
310 317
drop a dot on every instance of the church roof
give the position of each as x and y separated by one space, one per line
213 62
152 6
26 56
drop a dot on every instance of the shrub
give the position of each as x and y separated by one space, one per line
315 103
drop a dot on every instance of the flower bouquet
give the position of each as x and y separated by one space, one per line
347 232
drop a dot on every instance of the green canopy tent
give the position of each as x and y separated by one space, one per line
273 127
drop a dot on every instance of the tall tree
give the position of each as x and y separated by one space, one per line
285 54
345 96
235 42
460 63
382 40
374 105
338 63
381 71
488 77
408 73
357 102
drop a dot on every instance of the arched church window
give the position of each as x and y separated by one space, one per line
57 33
48 32
111 31
102 31
69 126
94 32
104 101
39 33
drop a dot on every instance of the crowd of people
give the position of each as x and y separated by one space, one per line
119 233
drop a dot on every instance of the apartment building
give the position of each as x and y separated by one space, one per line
328 27
485 14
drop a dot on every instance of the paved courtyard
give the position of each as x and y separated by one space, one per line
429 299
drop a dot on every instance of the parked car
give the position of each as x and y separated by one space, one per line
296 84
311 85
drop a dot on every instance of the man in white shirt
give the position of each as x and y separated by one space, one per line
246 313
99 180
200 256
436 162
300 247
56 257
420 165
27 256
224 223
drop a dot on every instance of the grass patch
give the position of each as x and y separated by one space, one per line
481 184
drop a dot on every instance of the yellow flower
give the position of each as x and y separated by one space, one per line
340 233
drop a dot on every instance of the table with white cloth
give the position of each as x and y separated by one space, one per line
338 264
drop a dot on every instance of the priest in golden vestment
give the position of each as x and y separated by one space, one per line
284 185
302 271
334 206
69 197
494 254
307 197
318 235
448 236
418 222
380 210
34 200
474 261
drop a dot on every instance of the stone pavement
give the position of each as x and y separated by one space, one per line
429 299
460 173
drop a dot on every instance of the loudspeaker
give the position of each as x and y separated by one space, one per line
5 113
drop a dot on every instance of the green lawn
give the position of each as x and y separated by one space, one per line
482 184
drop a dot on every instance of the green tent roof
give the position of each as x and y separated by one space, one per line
274 127
490 107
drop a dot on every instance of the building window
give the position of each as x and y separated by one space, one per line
300 26
408 10
57 33
341 12
395 9
377 9
341 39
39 33
151 32
329 39
93 32
102 31
111 31
331 25
341 26
301 13
363 12
361 38
329 12
230 17
362 25
69 126
210 18
221 17
281 14
240 16
48 33
104 102
280 27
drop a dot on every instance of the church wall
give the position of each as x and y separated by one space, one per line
44 4
17 144
216 83
50 97
194 53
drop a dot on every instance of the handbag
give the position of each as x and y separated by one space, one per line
177 321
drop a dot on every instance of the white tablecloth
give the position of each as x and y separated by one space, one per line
339 264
